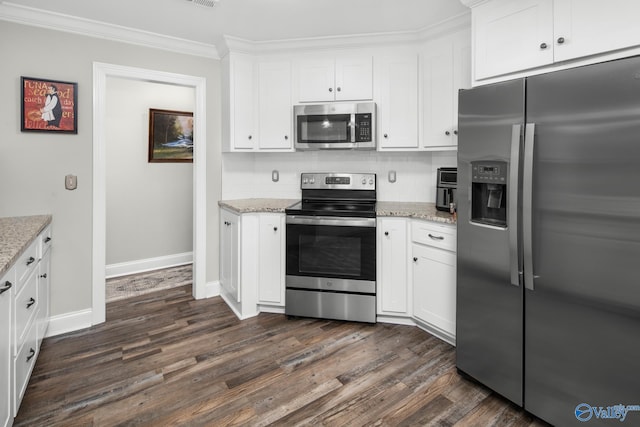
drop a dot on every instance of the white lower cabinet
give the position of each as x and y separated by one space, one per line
252 262
24 318
434 277
7 283
393 274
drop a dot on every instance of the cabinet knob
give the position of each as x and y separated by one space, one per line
43 276
47 240
330 89
31 260
249 136
338 89
286 137
386 135
32 353
6 287
543 45
455 132
415 259
447 133
275 228
386 233
560 40
31 302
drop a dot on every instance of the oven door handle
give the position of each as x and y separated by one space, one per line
329 220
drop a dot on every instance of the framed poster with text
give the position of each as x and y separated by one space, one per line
49 106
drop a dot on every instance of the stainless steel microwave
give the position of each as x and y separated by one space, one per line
335 126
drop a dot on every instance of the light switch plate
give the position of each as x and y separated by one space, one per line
70 182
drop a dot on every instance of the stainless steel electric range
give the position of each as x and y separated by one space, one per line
331 248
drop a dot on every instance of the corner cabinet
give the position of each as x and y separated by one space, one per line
445 65
256 104
434 277
393 275
24 319
252 262
518 35
334 79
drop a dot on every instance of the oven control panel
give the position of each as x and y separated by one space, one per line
342 181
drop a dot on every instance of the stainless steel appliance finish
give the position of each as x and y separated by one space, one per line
331 248
446 189
335 126
548 301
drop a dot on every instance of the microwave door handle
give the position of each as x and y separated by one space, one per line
352 125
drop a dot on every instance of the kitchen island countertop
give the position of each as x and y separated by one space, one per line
16 234
417 210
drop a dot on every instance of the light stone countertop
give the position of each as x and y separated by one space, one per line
16 234
241 206
426 211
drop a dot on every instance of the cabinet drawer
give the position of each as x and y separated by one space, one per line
26 263
45 241
438 236
23 364
25 307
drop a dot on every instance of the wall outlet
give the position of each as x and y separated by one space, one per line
392 176
275 176
70 182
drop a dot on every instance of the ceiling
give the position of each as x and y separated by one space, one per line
259 20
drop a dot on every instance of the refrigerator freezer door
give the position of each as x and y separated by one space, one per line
489 307
582 322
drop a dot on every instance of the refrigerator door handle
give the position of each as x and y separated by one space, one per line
514 170
527 204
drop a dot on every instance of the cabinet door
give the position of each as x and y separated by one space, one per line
434 287
44 280
229 254
7 283
275 113
316 79
437 94
512 35
242 103
393 267
354 79
271 259
587 27
398 104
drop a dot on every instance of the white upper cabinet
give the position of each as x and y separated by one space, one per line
275 113
518 35
239 103
397 101
512 35
445 66
334 79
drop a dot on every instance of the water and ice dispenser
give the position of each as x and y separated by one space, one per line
489 193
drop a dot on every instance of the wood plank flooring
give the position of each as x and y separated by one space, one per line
166 359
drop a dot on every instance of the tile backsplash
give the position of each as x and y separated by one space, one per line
248 175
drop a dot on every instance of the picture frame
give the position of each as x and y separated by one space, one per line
170 136
48 105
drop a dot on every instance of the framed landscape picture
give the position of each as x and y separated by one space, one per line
48 106
170 136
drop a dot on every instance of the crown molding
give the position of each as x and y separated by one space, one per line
235 44
87 27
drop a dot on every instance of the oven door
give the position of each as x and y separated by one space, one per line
331 253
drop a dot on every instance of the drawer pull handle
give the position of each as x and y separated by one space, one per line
31 260
32 353
6 287
31 302
436 237
47 239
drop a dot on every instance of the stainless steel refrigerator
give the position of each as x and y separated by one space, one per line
548 268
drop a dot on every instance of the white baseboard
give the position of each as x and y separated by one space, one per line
69 322
212 289
149 264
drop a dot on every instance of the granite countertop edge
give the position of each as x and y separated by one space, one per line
16 234
416 210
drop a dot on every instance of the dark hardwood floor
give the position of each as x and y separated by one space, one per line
166 359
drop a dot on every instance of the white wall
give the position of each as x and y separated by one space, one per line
248 175
33 165
149 205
